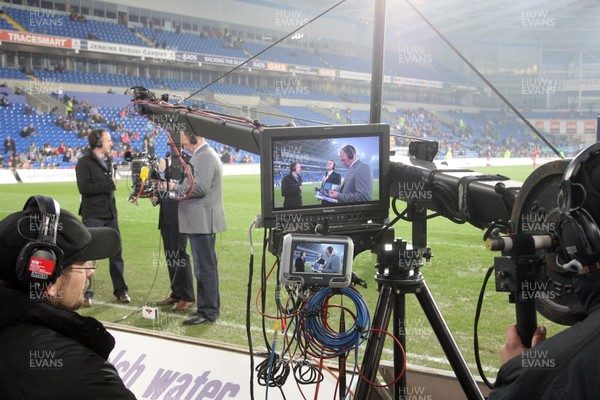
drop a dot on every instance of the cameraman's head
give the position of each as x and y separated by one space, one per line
45 251
579 203
190 142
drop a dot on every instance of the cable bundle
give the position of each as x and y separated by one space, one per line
315 333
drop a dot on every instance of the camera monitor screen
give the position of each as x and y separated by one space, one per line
325 172
315 260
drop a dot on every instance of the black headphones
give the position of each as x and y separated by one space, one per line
191 137
350 151
95 139
578 232
40 261
293 166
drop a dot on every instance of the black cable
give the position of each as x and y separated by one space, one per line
149 290
306 373
248 314
280 370
476 336
263 290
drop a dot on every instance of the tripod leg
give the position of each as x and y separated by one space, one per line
372 355
436 320
399 325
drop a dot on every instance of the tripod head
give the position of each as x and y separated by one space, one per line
399 262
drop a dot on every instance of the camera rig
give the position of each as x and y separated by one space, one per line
519 218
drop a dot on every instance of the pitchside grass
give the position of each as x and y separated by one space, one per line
454 275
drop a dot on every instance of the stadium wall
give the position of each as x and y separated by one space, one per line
68 175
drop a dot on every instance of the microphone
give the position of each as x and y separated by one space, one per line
115 168
128 156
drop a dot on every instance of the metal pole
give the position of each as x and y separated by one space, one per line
377 65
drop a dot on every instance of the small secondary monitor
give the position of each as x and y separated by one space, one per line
316 260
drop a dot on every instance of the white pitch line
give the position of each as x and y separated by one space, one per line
439 360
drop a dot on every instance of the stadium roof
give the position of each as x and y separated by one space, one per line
559 26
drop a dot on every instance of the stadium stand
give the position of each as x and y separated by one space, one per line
299 100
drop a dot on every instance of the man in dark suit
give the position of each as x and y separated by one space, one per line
201 217
291 187
299 263
97 184
174 243
358 183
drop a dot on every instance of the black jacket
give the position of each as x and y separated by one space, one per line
50 353
94 181
290 190
564 366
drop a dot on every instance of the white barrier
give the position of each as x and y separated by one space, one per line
46 175
68 175
6 176
176 368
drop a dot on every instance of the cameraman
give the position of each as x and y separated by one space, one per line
201 217
565 366
174 243
49 351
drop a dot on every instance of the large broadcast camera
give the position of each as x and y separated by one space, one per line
145 175
520 218
460 195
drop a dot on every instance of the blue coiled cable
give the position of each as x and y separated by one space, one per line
321 341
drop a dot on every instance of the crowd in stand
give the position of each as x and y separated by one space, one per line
230 156
458 135
45 155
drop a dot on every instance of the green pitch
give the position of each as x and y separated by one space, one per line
454 275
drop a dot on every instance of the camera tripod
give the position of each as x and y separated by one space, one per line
398 274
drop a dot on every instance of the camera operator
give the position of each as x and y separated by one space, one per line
175 244
49 351
97 184
565 365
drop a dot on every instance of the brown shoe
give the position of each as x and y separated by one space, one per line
166 302
183 305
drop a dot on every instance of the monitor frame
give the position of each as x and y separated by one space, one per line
305 218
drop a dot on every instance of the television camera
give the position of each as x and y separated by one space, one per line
145 175
519 218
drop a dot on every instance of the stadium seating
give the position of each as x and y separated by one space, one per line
56 23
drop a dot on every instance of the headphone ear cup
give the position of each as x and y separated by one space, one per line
579 236
39 264
193 139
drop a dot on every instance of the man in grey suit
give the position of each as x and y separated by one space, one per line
333 264
358 183
201 216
